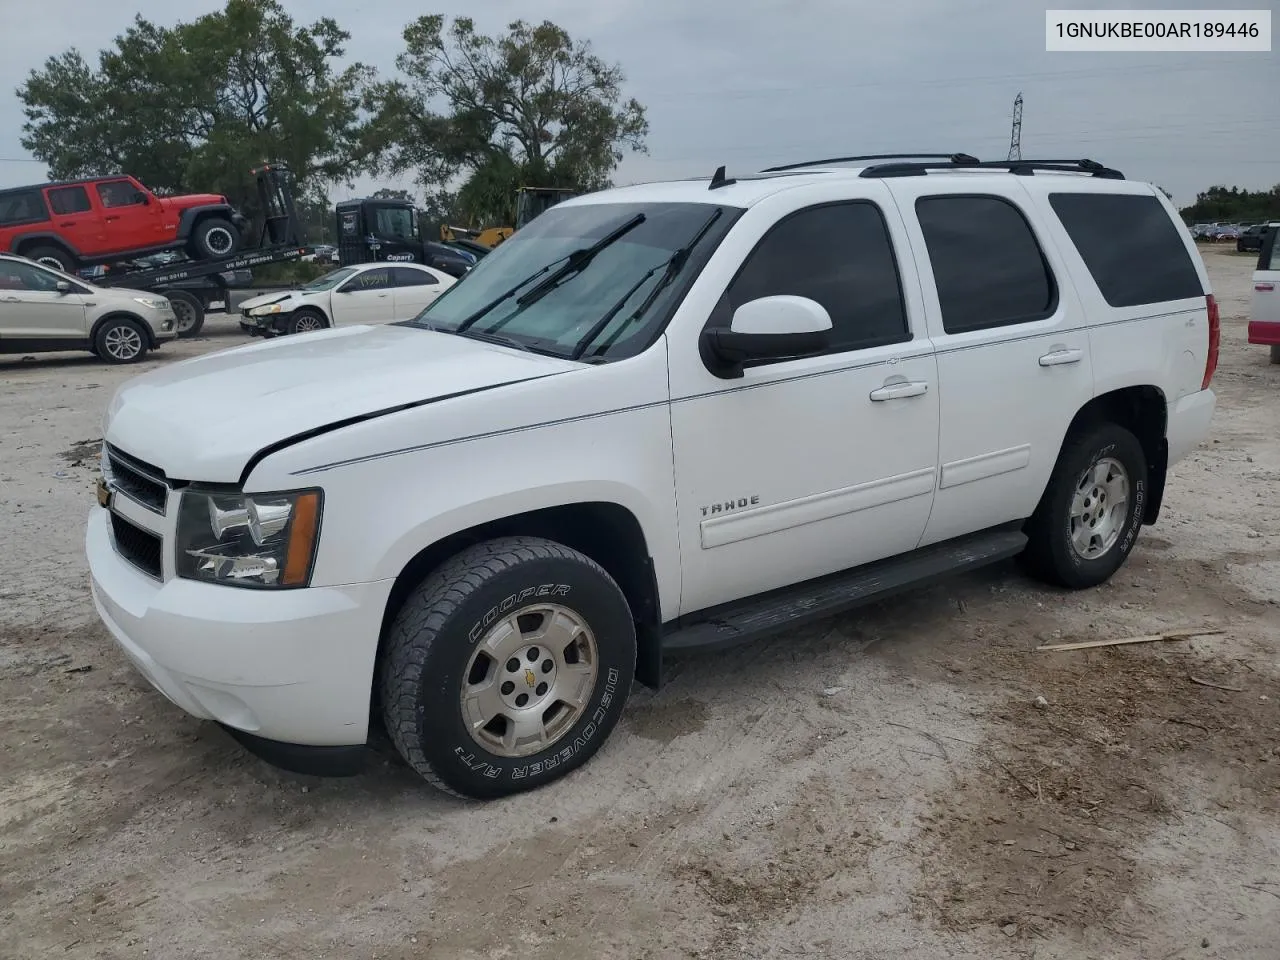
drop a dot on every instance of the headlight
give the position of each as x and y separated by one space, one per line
270 308
248 540
151 303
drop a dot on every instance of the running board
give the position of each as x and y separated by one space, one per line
816 599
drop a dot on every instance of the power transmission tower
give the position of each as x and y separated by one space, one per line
1015 138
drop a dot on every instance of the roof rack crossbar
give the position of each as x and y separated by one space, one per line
1020 167
955 157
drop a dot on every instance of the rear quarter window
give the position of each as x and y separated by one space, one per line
22 206
1130 246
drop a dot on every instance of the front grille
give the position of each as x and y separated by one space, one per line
138 481
140 547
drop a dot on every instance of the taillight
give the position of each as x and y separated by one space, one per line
1215 335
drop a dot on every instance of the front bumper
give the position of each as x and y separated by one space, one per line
1264 332
293 666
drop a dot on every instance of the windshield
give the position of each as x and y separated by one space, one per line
556 322
329 280
395 222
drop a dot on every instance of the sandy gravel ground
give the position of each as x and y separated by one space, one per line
879 786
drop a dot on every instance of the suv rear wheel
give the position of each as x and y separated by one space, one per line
507 667
1089 517
214 239
54 257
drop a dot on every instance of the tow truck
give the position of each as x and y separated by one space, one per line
191 285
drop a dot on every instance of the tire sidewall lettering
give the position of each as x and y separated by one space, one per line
1134 523
511 601
551 762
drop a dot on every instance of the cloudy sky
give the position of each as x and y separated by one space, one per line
750 83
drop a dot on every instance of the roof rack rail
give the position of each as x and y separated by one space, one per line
1018 167
956 157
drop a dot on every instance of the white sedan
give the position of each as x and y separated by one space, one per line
362 293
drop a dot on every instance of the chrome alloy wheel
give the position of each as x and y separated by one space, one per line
529 680
1099 508
122 342
308 322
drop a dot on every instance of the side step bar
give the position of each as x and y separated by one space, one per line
824 597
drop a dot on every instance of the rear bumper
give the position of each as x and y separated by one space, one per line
1189 420
1264 332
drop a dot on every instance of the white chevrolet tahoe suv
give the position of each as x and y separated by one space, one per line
659 418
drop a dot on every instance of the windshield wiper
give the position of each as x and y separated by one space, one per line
579 259
574 261
495 338
674 264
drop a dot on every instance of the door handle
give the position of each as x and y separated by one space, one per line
68 223
117 217
11 299
1055 358
897 391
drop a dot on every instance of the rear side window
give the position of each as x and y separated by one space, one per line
408 277
838 254
1131 247
25 206
65 200
987 264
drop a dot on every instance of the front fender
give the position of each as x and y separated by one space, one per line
188 218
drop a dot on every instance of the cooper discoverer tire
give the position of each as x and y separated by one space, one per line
523 628
1089 517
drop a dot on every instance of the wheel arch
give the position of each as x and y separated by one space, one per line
126 315
26 241
1143 411
607 532
191 216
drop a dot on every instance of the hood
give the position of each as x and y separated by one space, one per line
193 200
263 299
204 418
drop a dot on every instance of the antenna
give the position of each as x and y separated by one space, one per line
1015 137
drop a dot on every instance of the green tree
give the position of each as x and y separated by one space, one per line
196 106
1221 204
531 106
386 193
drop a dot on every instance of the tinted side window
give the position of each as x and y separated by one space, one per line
405 277
988 267
1131 247
26 206
66 200
839 255
119 193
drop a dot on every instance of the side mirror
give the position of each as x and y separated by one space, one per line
770 328
63 286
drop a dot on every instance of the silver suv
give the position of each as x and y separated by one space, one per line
43 310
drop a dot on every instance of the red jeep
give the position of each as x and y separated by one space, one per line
74 223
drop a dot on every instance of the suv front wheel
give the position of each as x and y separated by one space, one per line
1089 517
507 667
214 239
120 340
